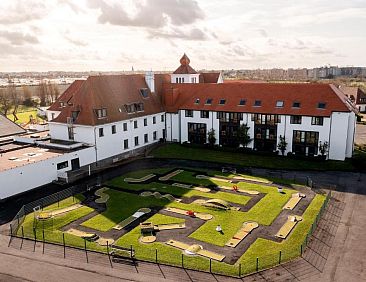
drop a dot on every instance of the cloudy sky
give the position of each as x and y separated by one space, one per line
39 35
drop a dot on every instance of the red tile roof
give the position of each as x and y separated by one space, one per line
111 92
183 96
209 77
66 97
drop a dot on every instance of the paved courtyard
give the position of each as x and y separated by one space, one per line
360 137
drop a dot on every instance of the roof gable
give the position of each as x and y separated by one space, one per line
110 92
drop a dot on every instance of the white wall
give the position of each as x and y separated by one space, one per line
286 129
351 134
32 175
338 136
58 131
113 144
211 122
50 113
187 77
173 127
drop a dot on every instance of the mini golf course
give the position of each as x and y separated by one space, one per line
184 215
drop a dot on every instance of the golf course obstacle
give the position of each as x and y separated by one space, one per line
195 250
215 204
157 195
213 178
247 227
291 222
148 230
294 200
44 215
197 188
103 197
238 189
92 237
118 253
170 175
203 216
132 218
162 227
138 180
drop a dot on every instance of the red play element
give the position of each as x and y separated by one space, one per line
235 188
190 213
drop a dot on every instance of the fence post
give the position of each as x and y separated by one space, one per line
58 200
18 219
43 241
156 255
131 250
301 250
11 235
239 270
63 242
109 256
257 266
86 252
210 265
21 244
306 239
182 262
279 259
35 239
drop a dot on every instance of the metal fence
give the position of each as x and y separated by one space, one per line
43 202
135 253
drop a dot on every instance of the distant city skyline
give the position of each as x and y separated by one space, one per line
111 35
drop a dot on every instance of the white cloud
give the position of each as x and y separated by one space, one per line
116 34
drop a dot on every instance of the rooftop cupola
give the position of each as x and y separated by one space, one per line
185 73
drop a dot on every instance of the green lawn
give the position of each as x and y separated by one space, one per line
70 201
177 151
122 204
23 114
263 212
52 228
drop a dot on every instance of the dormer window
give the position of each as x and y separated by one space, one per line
222 102
321 105
144 92
197 101
139 107
296 104
257 103
62 104
101 113
242 102
208 101
133 108
130 108
280 104
74 115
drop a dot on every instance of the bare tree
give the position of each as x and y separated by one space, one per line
27 95
42 93
12 92
53 92
5 101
